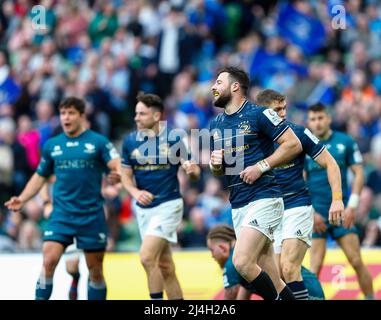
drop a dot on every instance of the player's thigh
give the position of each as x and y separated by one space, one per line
293 251
249 245
52 251
152 248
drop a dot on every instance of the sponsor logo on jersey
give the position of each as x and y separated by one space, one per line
89 148
72 144
56 151
272 116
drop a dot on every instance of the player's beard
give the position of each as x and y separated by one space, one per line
223 100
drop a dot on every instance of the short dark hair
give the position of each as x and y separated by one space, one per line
317 107
151 101
268 96
238 75
74 102
222 232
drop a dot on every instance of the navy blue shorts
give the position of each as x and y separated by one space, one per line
90 230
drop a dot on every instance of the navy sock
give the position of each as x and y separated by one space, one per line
73 292
97 291
44 288
264 287
286 294
299 290
156 296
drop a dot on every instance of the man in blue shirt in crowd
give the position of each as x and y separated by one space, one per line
293 238
152 156
347 155
78 158
243 150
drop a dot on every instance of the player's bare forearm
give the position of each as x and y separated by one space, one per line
44 192
128 182
358 178
115 165
289 148
33 186
326 161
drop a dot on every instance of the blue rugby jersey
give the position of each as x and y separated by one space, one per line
247 136
346 153
78 164
155 162
290 176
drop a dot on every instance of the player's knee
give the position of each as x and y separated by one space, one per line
167 269
50 264
356 262
96 274
242 264
290 271
147 261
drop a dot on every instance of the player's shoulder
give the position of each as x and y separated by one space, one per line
56 140
130 137
342 137
97 137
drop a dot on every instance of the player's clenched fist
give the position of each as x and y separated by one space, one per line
191 168
143 197
216 158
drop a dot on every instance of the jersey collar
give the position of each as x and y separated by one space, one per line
239 110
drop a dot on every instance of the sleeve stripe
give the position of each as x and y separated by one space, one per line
284 130
126 165
318 153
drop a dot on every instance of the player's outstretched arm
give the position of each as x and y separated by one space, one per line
336 210
141 196
31 189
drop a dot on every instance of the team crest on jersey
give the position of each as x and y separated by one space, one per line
56 151
244 127
89 148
